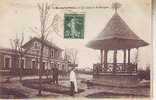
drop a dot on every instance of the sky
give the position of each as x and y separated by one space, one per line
17 16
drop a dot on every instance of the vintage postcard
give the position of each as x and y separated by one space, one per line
76 49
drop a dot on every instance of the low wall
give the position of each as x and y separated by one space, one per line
116 79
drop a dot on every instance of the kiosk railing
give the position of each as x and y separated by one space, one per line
115 68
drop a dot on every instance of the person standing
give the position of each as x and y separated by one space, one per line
55 75
73 82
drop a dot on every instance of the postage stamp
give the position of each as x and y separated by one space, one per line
74 26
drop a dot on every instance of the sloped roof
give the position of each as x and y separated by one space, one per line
47 43
116 35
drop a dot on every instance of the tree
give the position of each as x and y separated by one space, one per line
44 11
71 55
19 52
45 26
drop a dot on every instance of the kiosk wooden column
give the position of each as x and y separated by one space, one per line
137 59
101 52
129 56
124 60
105 59
114 60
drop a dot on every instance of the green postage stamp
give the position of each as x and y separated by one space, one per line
74 26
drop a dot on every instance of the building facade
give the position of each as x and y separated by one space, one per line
52 56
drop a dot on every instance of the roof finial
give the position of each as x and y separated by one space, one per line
116 6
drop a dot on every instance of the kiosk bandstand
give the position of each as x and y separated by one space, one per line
114 37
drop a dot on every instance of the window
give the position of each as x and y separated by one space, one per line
56 54
52 53
22 63
63 67
48 65
33 64
59 67
44 65
51 64
36 45
7 62
0 58
59 54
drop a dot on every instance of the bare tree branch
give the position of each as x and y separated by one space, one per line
71 55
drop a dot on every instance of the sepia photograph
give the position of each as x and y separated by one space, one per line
76 49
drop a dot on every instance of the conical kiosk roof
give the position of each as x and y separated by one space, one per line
116 35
